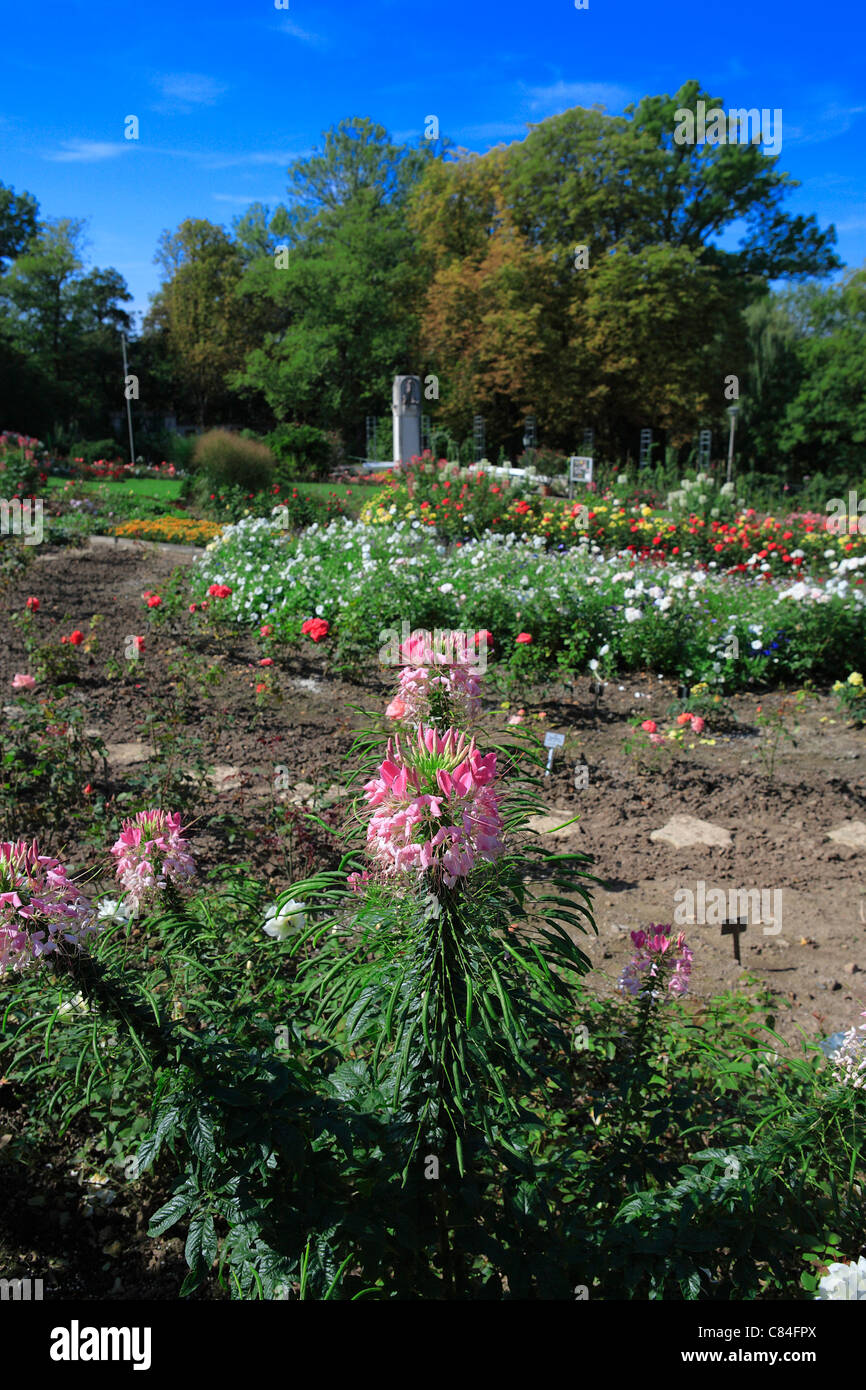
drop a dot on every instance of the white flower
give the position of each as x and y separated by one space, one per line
593 665
847 1282
286 920
113 910
446 588
756 646
632 615
73 1008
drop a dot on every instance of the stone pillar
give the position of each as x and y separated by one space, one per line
406 408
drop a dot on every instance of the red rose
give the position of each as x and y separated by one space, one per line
523 637
154 601
33 604
76 638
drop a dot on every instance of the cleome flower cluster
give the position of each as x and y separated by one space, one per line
434 668
661 964
150 853
434 807
41 910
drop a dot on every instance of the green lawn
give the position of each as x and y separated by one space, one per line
164 489
321 491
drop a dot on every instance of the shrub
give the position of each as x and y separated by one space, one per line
230 460
179 450
91 450
302 451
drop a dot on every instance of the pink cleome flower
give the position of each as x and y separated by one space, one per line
435 807
442 664
662 959
150 853
41 910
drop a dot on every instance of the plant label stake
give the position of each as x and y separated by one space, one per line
552 741
734 929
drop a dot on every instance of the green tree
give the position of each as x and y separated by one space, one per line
196 313
825 422
638 313
59 325
344 292
39 288
18 214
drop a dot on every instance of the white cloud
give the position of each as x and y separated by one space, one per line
294 31
833 120
232 161
562 95
187 89
89 151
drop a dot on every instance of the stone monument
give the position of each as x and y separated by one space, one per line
406 408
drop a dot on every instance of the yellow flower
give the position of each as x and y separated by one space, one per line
855 678
837 686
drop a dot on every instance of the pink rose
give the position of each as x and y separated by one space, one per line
20 682
698 724
649 726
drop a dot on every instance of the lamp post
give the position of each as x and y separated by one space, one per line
128 402
732 414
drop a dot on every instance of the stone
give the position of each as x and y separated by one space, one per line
852 969
224 778
850 832
685 831
548 825
124 754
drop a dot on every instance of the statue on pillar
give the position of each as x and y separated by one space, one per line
406 409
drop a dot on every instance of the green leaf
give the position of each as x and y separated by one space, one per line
170 1214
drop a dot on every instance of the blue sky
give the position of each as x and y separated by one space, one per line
227 92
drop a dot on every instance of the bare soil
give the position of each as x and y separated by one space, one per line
779 824
813 969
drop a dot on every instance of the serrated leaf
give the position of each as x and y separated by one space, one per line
176 1207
